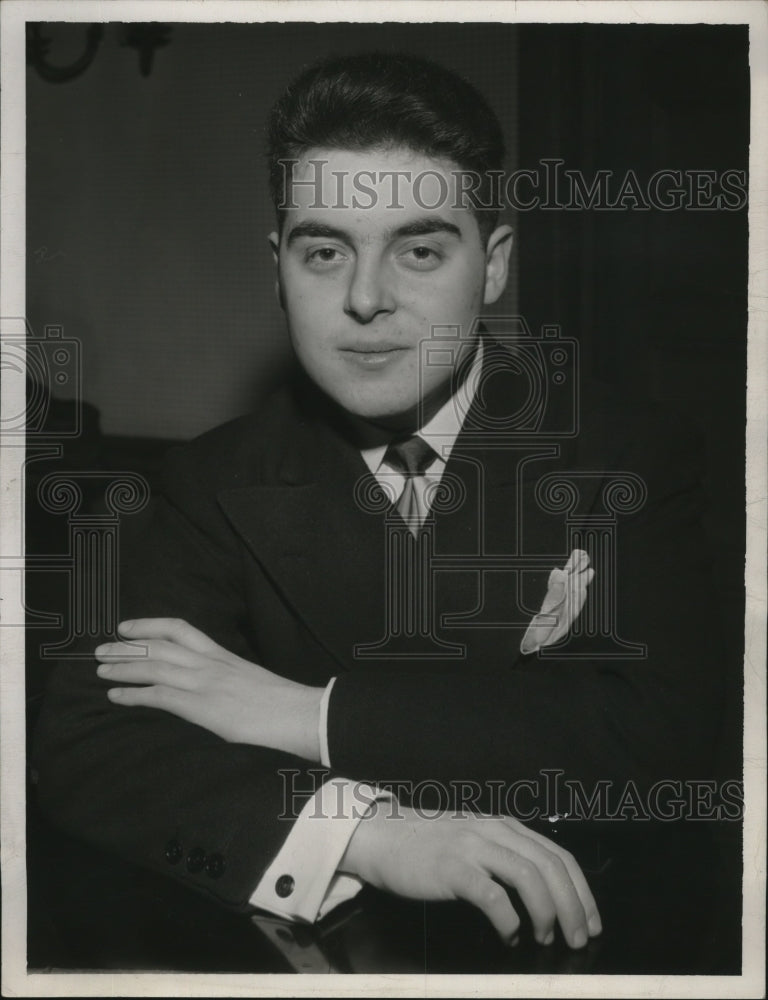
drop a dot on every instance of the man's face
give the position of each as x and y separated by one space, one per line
363 287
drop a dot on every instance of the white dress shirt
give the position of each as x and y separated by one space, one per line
313 849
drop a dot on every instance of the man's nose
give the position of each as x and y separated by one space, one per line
369 292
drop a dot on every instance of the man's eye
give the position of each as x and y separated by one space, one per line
422 258
323 255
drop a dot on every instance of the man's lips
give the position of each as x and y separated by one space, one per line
374 355
382 347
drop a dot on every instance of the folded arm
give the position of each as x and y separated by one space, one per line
646 719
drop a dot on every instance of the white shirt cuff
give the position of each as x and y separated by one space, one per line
302 883
322 726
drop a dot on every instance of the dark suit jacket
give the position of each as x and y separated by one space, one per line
259 541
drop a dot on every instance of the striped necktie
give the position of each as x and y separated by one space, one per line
412 457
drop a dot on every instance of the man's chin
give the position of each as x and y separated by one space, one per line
389 415
389 420
393 413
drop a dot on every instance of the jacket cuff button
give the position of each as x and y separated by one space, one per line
196 860
214 866
173 852
284 886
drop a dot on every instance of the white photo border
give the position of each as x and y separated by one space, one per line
16 981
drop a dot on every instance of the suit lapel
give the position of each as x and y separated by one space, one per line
317 530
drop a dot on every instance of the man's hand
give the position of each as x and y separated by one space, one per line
470 857
189 675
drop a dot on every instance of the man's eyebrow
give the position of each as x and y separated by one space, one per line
426 226
419 227
317 229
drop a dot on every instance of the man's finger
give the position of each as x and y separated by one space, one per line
150 672
480 890
170 699
594 924
152 649
561 888
174 630
517 871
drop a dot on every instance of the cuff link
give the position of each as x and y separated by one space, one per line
284 886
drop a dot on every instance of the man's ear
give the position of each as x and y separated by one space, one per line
274 242
497 263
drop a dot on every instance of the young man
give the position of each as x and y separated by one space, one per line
347 577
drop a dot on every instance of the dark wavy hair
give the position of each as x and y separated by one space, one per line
385 100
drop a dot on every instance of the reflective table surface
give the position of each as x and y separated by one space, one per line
669 897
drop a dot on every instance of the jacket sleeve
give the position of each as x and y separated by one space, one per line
155 789
612 720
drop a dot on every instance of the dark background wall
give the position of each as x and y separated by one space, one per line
657 299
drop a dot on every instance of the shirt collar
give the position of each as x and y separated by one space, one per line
442 430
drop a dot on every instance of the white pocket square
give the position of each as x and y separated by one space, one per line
566 594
